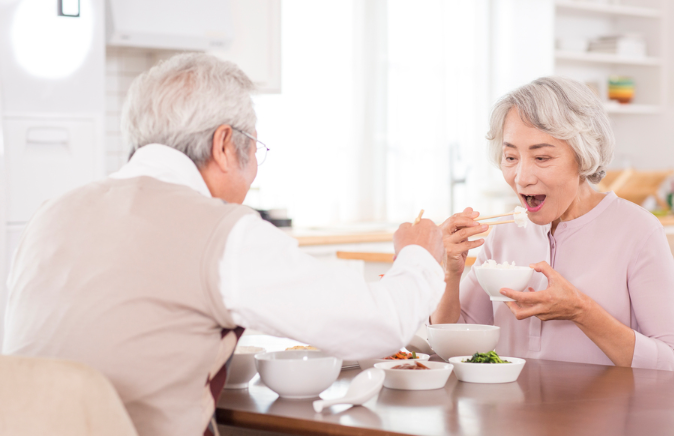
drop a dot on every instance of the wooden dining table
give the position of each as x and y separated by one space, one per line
549 398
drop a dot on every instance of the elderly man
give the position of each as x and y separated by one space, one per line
151 275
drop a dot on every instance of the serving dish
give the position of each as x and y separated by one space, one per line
297 373
242 368
415 380
369 363
487 372
449 340
492 280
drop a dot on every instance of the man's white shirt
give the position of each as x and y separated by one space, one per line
270 285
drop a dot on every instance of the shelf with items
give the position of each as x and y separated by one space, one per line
632 108
608 9
606 58
597 41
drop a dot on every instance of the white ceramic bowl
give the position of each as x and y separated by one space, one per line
415 380
493 279
369 363
297 373
449 340
487 372
242 369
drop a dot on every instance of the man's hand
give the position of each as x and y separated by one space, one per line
425 234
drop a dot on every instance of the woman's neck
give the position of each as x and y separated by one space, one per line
584 202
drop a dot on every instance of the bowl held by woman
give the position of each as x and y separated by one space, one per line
492 277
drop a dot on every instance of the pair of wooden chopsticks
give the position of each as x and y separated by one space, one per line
495 223
416 221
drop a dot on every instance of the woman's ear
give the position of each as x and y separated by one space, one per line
223 149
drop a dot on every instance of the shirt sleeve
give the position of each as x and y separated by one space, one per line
476 307
651 288
269 284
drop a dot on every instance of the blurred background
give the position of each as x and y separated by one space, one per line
372 109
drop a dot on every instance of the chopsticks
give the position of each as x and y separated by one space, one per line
495 223
495 216
416 221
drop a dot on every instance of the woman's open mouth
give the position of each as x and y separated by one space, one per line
534 203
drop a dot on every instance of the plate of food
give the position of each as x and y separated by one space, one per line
400 355
487 368
415 375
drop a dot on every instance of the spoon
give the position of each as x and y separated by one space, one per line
366 385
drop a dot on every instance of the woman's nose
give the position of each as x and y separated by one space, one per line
525 175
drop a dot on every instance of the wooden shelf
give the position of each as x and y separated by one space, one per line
604 58
597 8
632 108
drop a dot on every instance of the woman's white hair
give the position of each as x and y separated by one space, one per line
566 110
183 100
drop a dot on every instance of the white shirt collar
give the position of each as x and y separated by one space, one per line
166 164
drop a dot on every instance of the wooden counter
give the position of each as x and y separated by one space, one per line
549 398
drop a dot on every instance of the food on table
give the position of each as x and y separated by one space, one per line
302 347
491 263
413 366
520 216
401 355
490 357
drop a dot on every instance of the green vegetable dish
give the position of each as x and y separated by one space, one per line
490 357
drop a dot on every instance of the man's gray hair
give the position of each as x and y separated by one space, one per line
183 100
566 110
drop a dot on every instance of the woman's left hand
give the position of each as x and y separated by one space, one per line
561 300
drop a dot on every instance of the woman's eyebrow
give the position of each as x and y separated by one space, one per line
537 146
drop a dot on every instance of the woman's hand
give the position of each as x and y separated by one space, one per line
561 300
455 233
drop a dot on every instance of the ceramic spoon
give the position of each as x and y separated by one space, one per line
366 385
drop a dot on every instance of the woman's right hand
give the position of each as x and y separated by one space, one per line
455 233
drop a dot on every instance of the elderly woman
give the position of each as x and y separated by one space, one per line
603 290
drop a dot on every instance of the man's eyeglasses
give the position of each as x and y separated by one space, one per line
262 149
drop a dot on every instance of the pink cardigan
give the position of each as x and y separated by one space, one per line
617 254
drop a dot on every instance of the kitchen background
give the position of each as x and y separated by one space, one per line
372 109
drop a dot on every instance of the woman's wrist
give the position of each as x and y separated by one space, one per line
583 307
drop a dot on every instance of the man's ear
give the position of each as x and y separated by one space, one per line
223 149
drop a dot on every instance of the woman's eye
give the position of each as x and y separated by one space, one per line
542 158
509 158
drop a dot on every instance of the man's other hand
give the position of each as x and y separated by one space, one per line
425 234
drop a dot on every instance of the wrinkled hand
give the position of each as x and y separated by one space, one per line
561 300
425 234
455 233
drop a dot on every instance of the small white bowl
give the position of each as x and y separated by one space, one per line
242 369
415 380
493 279
449 340
369 363
487 372
297 373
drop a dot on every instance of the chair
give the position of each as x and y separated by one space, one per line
58 398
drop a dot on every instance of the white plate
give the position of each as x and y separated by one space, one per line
415 380
487 372
369 363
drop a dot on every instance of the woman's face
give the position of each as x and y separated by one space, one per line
542 170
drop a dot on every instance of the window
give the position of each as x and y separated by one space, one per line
383 104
